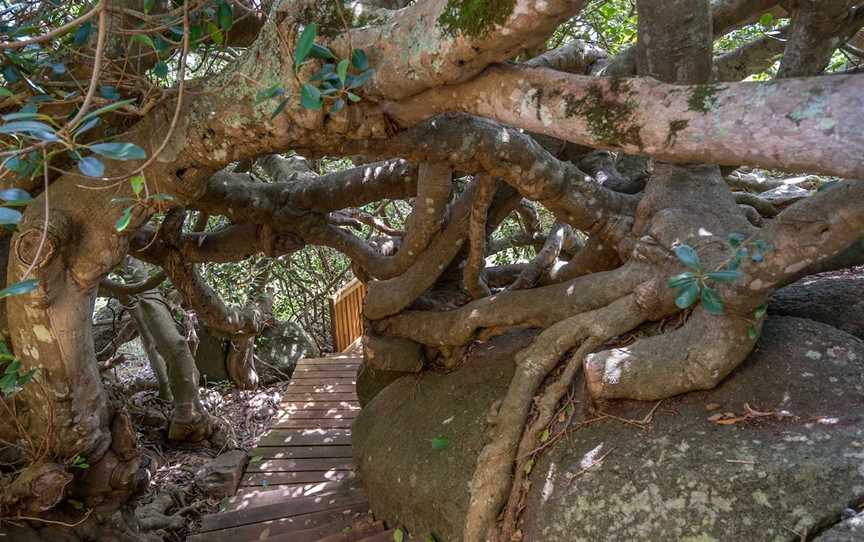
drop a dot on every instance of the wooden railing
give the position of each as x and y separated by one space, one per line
346 309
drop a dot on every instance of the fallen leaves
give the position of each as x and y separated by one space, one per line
750 413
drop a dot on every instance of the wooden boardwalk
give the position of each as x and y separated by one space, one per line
299 485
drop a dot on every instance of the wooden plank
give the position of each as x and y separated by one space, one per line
264 530
329 414
323 387
334 359
286 509
304 477
358 534
289 452
322 396
306 423
319 405
305 437
250 497
334 376
333 367
315 533
300 465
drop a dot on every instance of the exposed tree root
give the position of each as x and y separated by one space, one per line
492 477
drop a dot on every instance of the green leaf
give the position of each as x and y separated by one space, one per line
215 33
119 151
353 97
736 239
256 459
682 279
19 288
91 166
440 443
760 312
711 301
162 197
81 35
225 16
13 367
33 128
5 92
310 97
360 80
105 109
9 216
359 59
752 333
337 106
145 40
195 34
529 465
321 52
279 108
304 44
269 92
25 379
15 196
342 70
757 256
148 5
687 296
398 535
21 115
766 20
160 69
8 383
724 276
687 256
137 183
109 92
544 436
90 124
124 220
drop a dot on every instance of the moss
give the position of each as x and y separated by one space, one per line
610 121
474 18
674 127
703 98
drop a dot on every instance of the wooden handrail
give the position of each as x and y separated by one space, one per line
346 314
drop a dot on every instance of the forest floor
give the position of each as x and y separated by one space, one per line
172 492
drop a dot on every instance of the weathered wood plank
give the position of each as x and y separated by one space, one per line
305 437
250 497
329 414
305 423
306 477
320 387
319 396
320 405
286 509
300 465
298 452
264 530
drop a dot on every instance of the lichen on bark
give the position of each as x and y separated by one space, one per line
610 121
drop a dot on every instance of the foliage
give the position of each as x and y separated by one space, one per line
12 377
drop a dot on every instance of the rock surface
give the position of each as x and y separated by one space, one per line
849 530
685 477
220 477
836 299
280 347
407 480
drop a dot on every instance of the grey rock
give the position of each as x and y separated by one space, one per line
835 298
684 478
220 477
785 195
849 530
280 347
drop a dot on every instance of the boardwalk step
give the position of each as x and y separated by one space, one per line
291 452
282 478
300 465
290 508
253 497
356 534
305 437
267 529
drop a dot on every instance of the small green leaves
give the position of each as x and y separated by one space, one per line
119 151
5 92
105 109
225 16
304 44
321 52
529 465
160 69
256 459
760 312
15 197
766 20
148 5
342 70
359 59
681 280
83 33
310 96
137 182
19 288
752 333
144 39
124 220
91 166
440 443
269 92
711 301
80 462
687 295
687 256
13 379
9 216
109 92
398 535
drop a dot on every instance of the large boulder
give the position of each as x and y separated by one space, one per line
777 447
279 347
832 298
